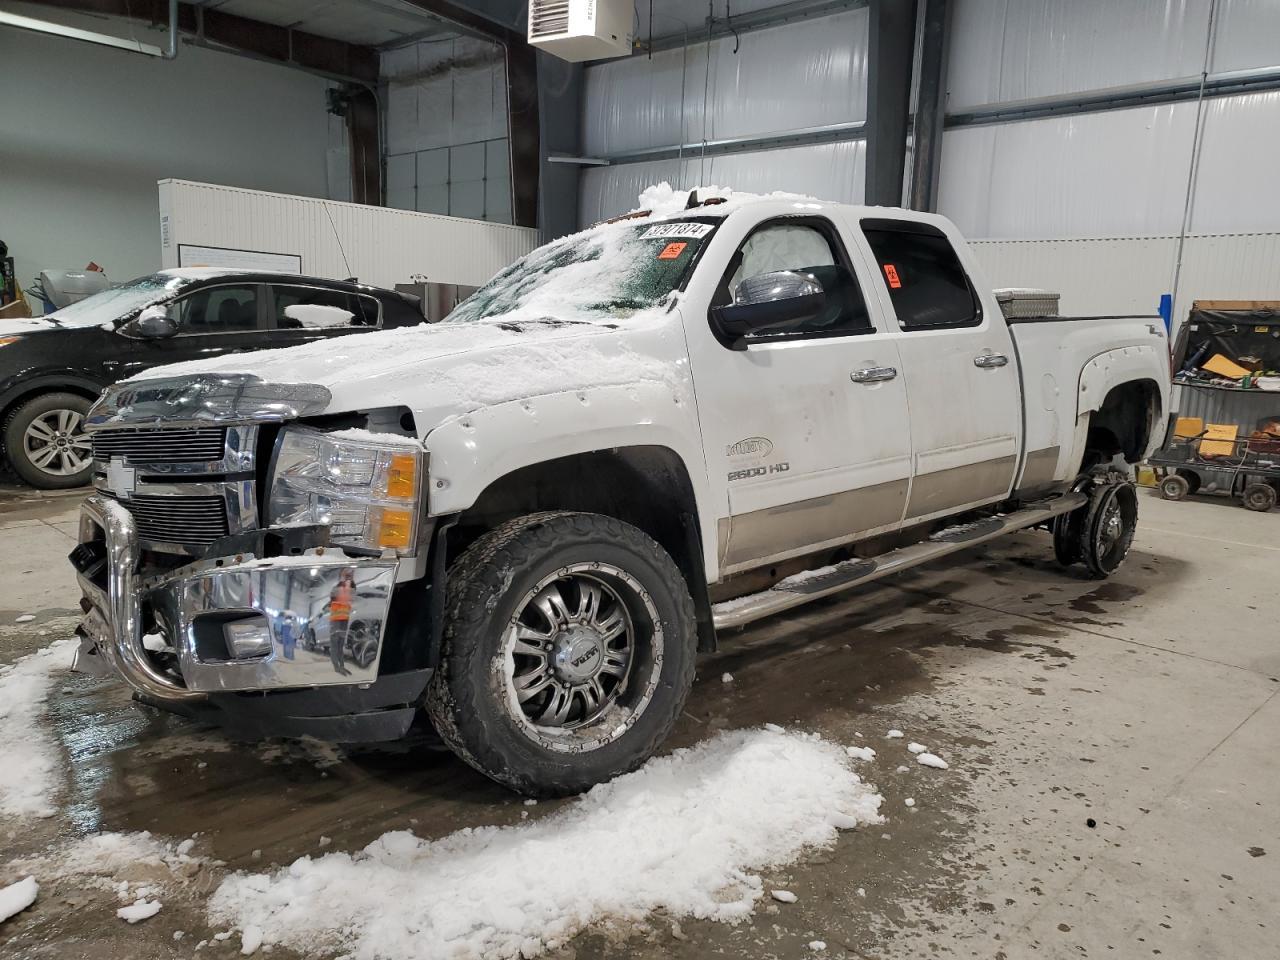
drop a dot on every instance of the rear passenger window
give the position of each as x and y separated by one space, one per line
299 308
926 282
809 249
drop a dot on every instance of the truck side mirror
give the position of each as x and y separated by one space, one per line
770 303
154 323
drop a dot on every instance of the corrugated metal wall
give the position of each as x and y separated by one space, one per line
1107 189
377 244
1128 274
792 77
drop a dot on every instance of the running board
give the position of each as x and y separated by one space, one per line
813 585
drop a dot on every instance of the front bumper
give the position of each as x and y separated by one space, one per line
285 598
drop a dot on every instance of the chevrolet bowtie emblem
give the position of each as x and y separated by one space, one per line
121 479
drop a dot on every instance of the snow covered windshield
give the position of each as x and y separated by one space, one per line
110 305
610 272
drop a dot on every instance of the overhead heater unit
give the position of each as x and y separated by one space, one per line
579 30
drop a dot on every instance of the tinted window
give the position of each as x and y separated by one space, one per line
315 308
807 249
926 282
229 309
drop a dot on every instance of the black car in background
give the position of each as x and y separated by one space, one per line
52 368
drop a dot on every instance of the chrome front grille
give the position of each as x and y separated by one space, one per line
196 445
185 487
190 521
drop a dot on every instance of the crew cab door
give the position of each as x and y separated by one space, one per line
960 370
807 429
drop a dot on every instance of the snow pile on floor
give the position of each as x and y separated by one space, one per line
133 866
16 897
684 833
30 772
931 760
139 910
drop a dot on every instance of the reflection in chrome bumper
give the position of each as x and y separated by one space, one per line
283 600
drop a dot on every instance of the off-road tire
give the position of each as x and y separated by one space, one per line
1100 559
1175 487
1258 496
1066 536
467 700
15 427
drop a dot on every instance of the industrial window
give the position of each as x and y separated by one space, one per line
226 309
927 285
317 308
806 246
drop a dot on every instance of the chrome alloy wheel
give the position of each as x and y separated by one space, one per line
581 656
56 444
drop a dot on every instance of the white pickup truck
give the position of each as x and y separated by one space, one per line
525 522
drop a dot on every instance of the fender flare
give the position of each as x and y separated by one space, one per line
1112 368
470 452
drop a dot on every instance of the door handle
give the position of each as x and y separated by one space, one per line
873 374
989 360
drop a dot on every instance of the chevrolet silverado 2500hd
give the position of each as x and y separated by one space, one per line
525 522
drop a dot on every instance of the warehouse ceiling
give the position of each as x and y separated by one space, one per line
369 23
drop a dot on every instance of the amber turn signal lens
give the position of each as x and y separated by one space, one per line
400 475
396 529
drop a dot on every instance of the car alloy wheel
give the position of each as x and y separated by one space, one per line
56 444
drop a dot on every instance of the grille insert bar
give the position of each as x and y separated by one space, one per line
199 445
196 520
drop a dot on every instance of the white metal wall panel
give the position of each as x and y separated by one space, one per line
1247 35
1120 275
1238 187
379 245
1121 173
1004 50
1129 274
1229 267
790 77
830 171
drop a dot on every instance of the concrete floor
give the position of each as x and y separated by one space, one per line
1114 788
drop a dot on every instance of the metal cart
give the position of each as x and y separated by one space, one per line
1250 471
1226 438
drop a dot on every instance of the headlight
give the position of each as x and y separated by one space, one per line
364 490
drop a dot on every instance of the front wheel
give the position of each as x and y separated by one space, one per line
568 652
46 443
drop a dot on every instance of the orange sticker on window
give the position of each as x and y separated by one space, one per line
891 274
671 251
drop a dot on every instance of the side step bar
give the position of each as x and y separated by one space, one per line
815 584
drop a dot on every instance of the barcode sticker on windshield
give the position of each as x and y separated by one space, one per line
684 228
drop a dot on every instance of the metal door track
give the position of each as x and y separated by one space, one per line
800 589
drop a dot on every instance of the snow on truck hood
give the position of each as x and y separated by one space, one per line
449 369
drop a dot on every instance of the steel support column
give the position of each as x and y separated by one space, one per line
560 111
889 59
926 132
